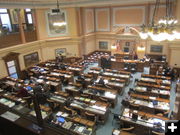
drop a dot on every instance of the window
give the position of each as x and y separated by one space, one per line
5 20
12 69
28 14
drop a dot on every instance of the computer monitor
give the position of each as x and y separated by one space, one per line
155 102
61 119
29 88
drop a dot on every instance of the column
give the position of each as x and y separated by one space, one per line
21 30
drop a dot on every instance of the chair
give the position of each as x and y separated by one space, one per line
159 114
51 104
85 95
104 99
134 107
157 133
69 110
126 57
126 66
116 117
133 67
91 116
130 129
28 100
166 114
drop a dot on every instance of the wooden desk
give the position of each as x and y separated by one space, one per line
21 126
118 71
119 64
108 94
142 123
149 98
117 75
101 111
154 86
155 81
156 76
146 103
153 92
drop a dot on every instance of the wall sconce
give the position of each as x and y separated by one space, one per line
113 47
140 48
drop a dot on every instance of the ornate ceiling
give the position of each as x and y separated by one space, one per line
67 3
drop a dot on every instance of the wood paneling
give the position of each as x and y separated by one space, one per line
15 39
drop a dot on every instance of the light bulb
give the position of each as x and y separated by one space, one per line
157 37
176 34
143 35
170 37
176 21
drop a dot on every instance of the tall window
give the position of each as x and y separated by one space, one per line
28 13
5 20
12 69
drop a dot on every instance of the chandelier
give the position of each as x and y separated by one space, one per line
165 29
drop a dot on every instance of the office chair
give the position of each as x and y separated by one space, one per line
133 67
69 110
134 106
28 100
85 96
116 117
126 57
126 66
91 116
51 104
131 90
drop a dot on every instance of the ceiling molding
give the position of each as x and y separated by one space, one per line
67 3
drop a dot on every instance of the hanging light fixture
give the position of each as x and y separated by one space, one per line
166 27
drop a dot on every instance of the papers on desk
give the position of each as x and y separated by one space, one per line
153 98
59 114
10 116
40 80
113 59
44 114
110 95
7 102
116 132
99 108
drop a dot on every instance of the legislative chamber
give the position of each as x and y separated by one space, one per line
89 67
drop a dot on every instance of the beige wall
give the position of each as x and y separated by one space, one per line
46 51
174 55
89 43
41 23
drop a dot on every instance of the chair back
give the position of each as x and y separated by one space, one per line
90 116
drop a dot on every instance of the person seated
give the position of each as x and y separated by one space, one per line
135 56
66 82
22 92
80 77
101 82
62 66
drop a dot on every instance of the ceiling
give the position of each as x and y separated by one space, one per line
66 3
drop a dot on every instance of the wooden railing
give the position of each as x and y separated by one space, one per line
15 39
